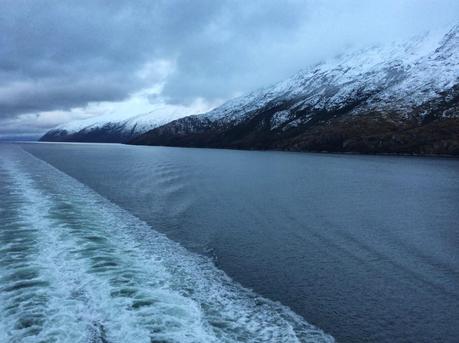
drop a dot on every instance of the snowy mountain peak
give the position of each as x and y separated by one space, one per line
381 88
405 86
115 127
426 62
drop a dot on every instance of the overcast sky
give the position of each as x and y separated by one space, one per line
64 60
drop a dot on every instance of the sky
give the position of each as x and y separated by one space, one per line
66 60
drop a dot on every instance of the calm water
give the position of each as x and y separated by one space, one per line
366 248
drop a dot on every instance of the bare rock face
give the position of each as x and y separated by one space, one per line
401 98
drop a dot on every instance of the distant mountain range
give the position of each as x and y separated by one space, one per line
111 129
400 98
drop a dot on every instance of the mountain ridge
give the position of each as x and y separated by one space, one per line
111 129
397 98
400 98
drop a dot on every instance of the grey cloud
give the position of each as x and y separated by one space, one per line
58 55
250 50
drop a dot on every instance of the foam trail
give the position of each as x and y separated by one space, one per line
76 268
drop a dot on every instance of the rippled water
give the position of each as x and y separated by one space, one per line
74 267
364 247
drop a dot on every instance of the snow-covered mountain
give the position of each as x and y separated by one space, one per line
111 128
403 97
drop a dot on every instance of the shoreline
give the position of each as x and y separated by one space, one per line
254 149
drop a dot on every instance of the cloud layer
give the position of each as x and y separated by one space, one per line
58 56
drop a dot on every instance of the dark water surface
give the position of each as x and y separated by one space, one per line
365 247
77 268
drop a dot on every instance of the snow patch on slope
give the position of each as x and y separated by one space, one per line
396 76
139 123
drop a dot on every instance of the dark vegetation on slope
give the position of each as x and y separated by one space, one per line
340 131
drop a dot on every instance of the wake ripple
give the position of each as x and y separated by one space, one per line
76 268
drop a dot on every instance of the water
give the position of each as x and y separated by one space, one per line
76 268
364 247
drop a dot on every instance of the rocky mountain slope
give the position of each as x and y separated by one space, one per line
400 98
111 129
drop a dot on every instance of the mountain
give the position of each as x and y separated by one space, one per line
399 98
112 129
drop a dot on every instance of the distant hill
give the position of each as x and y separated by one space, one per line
111 129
